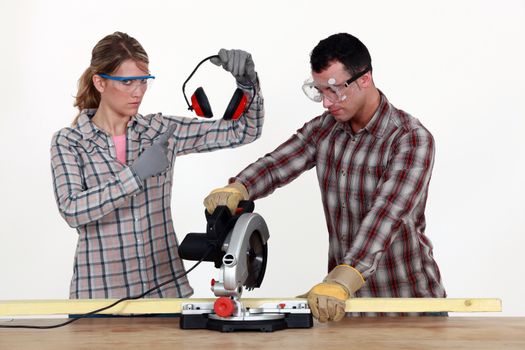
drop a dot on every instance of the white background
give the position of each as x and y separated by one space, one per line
458 66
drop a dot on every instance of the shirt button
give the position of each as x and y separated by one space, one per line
136 219
343 172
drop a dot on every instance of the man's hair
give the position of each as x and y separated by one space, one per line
342 47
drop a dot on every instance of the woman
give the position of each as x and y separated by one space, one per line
112 171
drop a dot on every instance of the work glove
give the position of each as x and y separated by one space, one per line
239 63
229 196
154 160
327 299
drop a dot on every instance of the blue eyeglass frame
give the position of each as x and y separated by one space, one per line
138 77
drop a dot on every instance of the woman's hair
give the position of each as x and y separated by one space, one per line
107 55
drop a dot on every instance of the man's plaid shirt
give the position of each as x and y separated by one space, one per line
374 186
126 241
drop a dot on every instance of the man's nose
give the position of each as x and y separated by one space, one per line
326 102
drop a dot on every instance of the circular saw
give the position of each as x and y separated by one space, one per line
237 245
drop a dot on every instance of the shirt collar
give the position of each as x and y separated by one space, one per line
89 130
85 126
141 125
379 122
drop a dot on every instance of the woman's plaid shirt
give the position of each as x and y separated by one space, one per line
126 241
374 186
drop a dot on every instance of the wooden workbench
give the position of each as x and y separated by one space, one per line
350 333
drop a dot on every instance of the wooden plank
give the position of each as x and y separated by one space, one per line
422 305
166 306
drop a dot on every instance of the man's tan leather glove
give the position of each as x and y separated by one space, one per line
327 299
230 196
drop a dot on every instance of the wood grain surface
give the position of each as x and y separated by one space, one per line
350 333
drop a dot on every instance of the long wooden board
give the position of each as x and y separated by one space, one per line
167 306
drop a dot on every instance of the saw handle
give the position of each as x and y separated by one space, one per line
222 212
219 224
244 206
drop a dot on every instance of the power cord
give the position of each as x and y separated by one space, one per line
78 317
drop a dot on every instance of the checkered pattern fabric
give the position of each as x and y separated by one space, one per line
374 186
126 241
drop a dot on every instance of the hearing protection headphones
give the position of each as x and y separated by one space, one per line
201 105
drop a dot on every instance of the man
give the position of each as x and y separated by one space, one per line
373 164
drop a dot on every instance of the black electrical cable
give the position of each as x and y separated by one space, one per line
78 317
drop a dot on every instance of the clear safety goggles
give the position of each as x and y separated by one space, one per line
130 84
332 91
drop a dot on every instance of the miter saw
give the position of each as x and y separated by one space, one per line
237 244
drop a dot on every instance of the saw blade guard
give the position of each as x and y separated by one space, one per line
244 261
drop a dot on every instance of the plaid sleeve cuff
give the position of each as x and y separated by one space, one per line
129 182
248 87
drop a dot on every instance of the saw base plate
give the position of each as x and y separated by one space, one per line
203 321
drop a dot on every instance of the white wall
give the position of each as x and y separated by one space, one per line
458 66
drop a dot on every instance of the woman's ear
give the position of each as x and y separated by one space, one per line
99 83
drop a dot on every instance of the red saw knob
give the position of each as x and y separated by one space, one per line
224 306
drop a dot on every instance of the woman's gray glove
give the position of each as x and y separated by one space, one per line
239 63
154 160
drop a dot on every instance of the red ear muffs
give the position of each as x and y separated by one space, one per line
200 103
236 106
202 107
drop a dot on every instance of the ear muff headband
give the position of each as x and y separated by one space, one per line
201 105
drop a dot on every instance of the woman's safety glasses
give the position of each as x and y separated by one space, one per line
130 84
332 91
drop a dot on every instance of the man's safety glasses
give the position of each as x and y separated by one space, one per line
332 91
129 84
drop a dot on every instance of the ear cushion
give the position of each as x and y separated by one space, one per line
236 106
200 103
